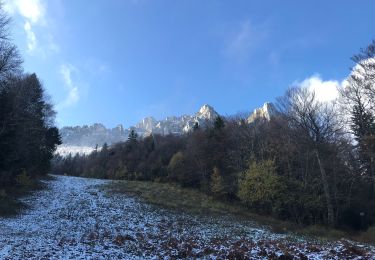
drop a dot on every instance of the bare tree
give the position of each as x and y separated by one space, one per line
318 125
364 72
10 59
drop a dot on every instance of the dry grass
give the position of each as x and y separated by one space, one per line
173 196
368 236
193 201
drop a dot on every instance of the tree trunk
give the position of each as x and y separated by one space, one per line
330 216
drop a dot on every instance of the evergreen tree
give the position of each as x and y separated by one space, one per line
363 123
219 123
28 138
105 148
133 136
363 126
195 126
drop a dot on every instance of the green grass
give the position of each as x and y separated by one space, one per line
193 201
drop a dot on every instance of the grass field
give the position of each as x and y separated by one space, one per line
173 196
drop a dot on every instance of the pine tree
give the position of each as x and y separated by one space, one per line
105 148
363 123
133 136
195 126
363 126
219 123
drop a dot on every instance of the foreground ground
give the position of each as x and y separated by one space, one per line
76 219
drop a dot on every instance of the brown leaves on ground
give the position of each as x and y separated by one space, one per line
120 240
195 247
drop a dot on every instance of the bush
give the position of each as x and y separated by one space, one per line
261 187
175 166
218 187
179 171
121 172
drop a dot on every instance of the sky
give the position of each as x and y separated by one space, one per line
118 61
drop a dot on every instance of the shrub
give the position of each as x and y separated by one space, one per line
176 165
179 171
218 187
260 186
121 173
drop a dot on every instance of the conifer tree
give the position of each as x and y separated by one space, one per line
133 136
219 123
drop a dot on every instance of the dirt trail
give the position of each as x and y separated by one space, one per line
75 219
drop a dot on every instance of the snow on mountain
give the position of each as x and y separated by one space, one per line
84 139
206 112
176 125
265 112
96 134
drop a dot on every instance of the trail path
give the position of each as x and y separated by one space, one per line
75 219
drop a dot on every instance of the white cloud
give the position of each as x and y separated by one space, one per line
244 40
325 90
33 12
328 90
66 71
31 38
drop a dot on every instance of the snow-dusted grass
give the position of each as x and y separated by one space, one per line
76 219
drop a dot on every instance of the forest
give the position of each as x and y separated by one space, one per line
28 137
312 163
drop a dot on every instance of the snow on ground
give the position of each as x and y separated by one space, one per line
76 219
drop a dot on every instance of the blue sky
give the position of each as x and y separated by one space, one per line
117 61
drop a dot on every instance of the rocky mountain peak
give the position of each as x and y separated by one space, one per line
119 128
207 112
148 123
265 112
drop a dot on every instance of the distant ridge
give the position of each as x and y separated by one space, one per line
84 139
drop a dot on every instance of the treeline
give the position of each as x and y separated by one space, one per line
28 136
312 163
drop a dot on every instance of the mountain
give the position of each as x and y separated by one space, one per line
175 125
84 139
97 134
266 112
